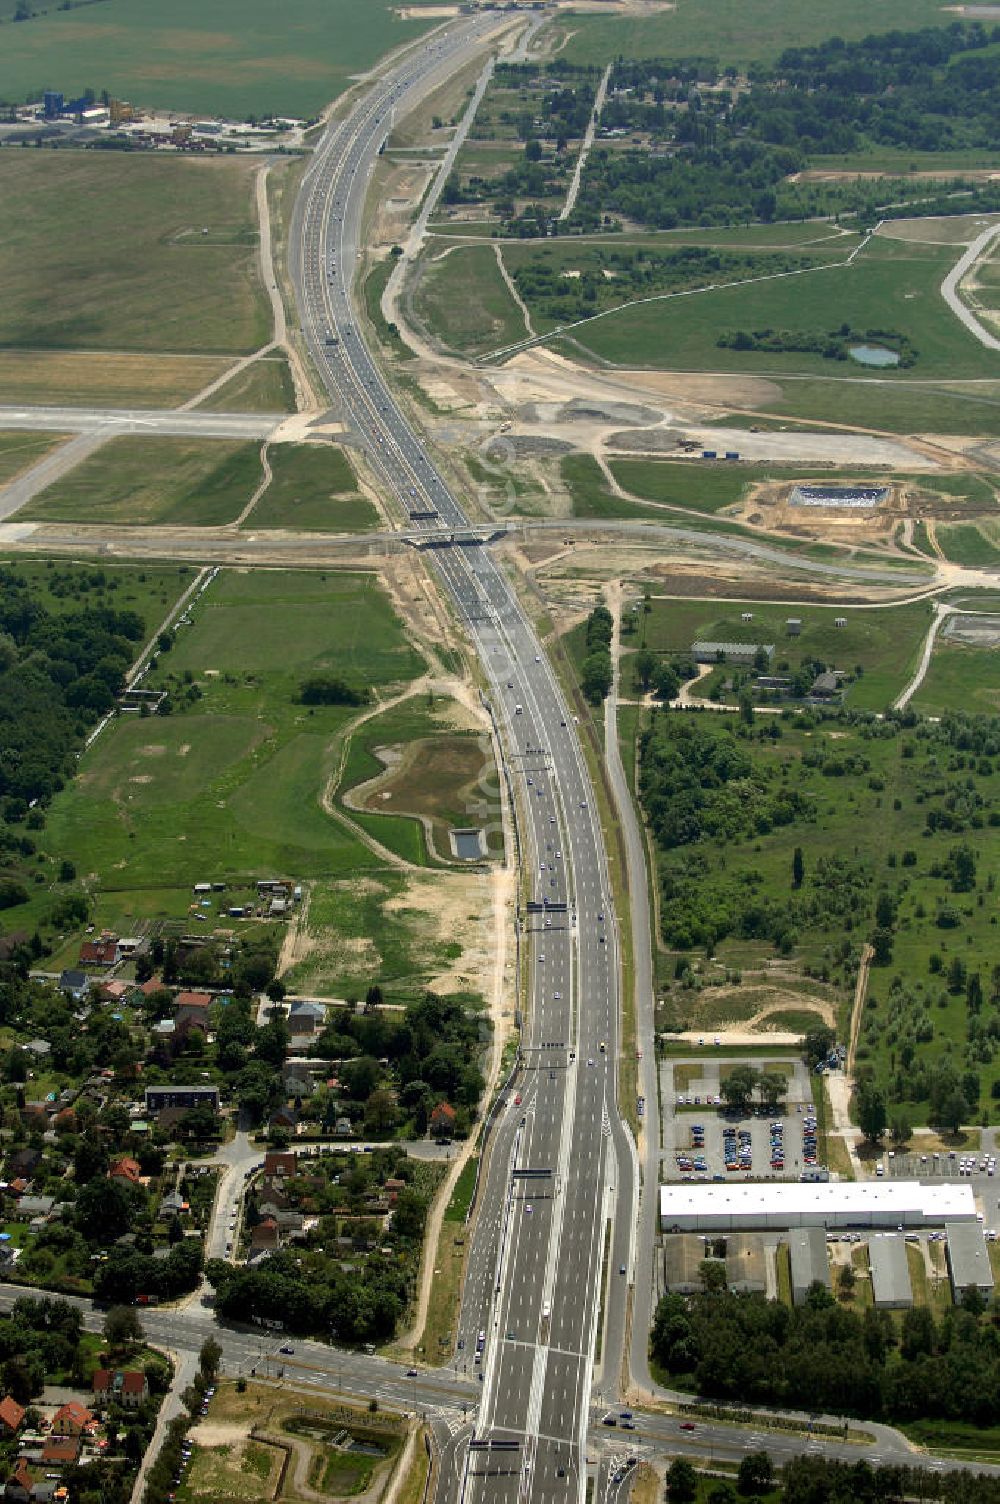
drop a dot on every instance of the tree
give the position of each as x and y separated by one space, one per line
644 664
595 679
817 1045
772 1087
275 990
738 1087
798 867
900 1128
209 1358
666 682
722 1493
869 1106
123 1327
954 1111
682 1482
712 1273
756 1473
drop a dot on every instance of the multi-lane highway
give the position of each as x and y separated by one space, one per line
541 1266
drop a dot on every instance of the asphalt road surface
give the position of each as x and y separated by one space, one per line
560 1160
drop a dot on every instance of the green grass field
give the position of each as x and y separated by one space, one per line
264 387
159 480
965 544
314 489
229 785
960 678
59 585
591 497
19 451
706 487
240 57
135 272
738 31
484 318
885 642
892 285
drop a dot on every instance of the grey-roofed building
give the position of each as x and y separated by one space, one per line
891 1287
730 652
683 1257
74 982
38 1048
968 1258
35 1206
807 1251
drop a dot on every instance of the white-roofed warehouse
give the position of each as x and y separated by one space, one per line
865 1203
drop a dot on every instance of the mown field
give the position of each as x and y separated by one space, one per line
105 251
264 387
62 378
484 318
238 58
313 488
740 31
157 480
18 451
884 642
960 678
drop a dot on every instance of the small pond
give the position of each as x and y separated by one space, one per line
873 355
468 845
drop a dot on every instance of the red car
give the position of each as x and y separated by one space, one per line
687 1425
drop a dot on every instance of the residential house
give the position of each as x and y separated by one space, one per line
125 1387
47 1490
127 1169
117 991
30 1207
23 1164
11 1416
72 1419
74 982
284 1117
102 952
279 1163
306 1019
191 1011
173 1205
297 1080
61 1450
40 1048
343 1128
264 1235
442 1121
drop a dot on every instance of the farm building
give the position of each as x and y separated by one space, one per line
862 1203
742 653
968 1258
891 1287
810 1266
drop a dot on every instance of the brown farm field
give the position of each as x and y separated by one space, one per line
102 379
112 251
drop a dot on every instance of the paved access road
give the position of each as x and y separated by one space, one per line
112 421
561 1160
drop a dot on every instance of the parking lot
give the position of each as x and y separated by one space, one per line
703 1141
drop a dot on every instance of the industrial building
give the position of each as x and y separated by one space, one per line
968 1258
810 1266
864 1203
891 1287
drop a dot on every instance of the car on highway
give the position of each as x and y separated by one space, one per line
687 1425
289 1350
411 1373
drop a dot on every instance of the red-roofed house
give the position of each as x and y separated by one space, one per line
276 1163
103 952
126 1387
191 1009
72 1419
11 1415
265 1234
126 1169
442 1120
155 984
61 1449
